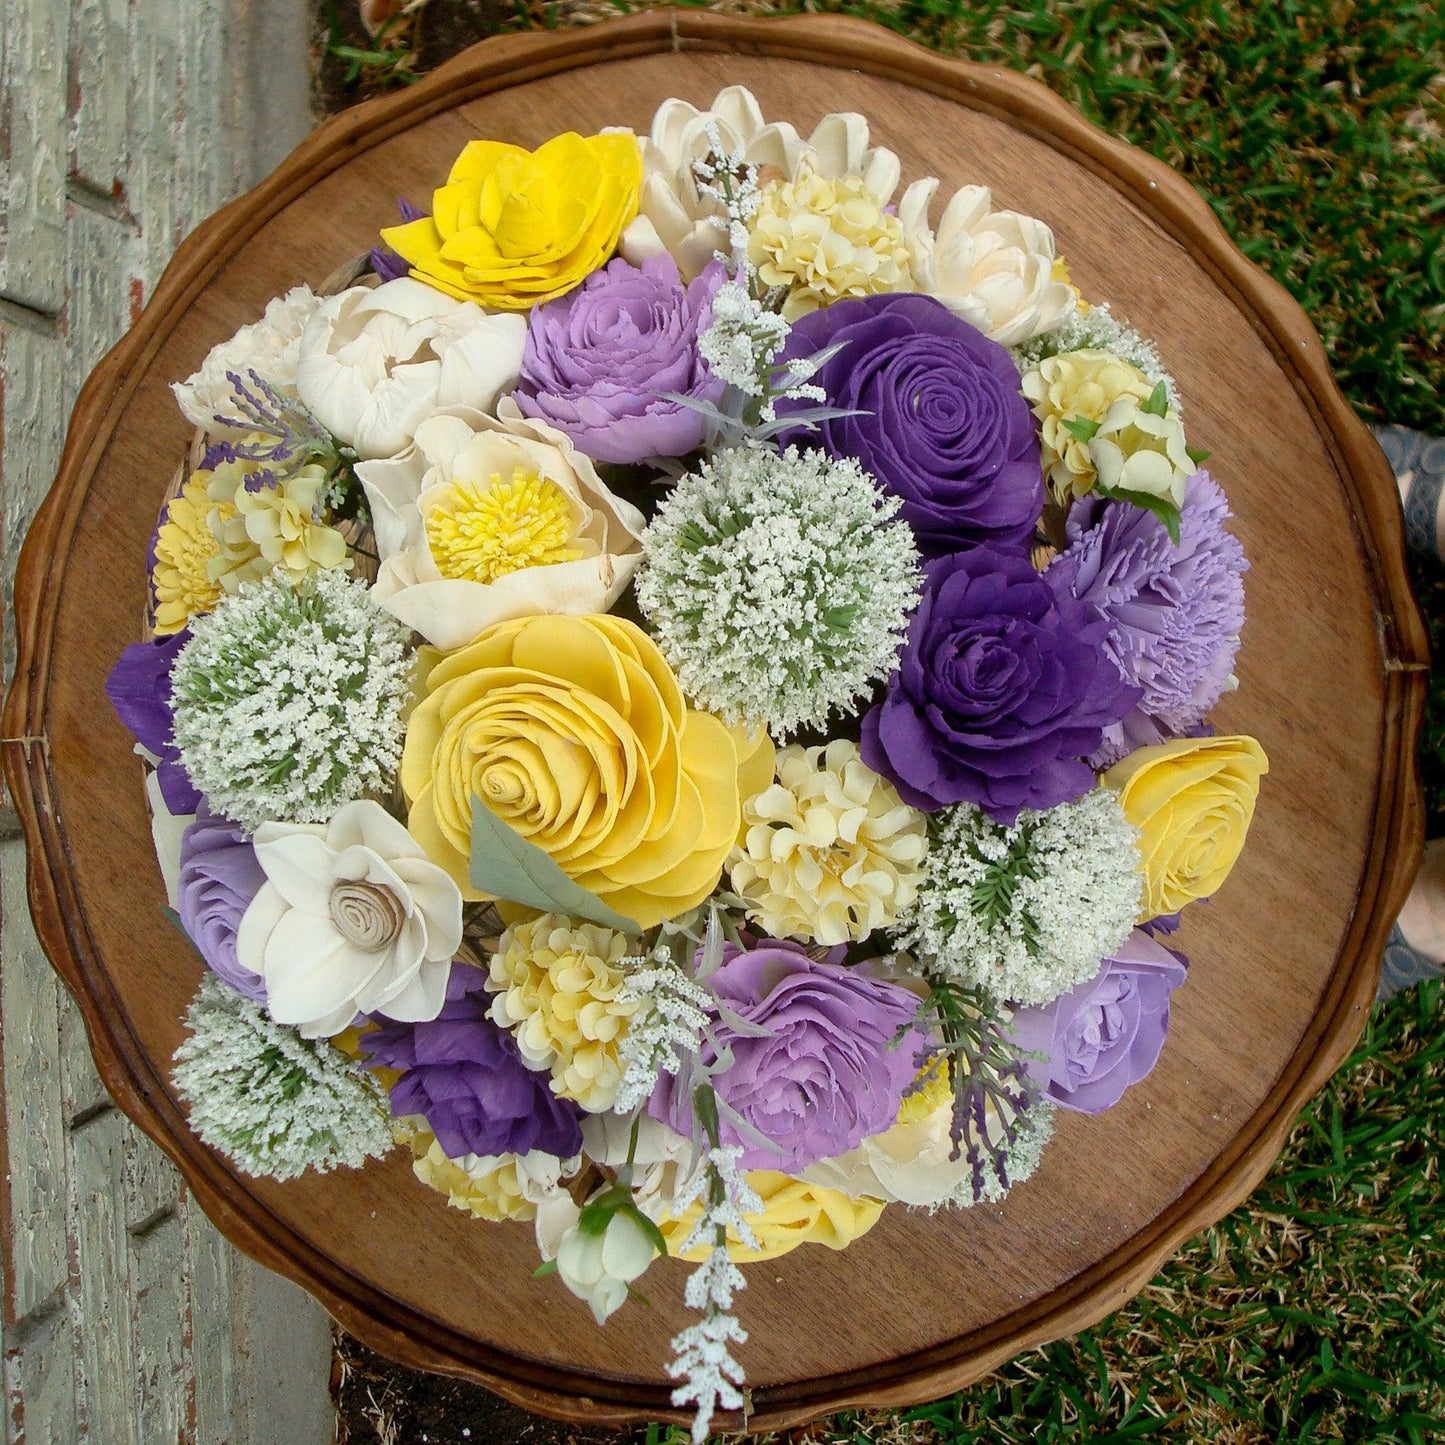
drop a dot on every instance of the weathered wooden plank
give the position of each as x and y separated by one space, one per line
40 1383
158 1320
99 93
154 188
101 255
83 1091
151 1182
214 1324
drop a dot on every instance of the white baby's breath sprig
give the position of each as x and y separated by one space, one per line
665 1031
1098 328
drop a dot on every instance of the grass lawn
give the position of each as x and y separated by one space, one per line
1316 130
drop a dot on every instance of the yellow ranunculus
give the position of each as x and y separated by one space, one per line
513 227
794 1213
574 731
1192 801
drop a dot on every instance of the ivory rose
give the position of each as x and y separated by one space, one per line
1192 801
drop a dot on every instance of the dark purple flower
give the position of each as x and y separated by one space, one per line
466 1077
385 263
1003 688
600 360
139 689
1106 1034
941 420
219 877
1175 612
831 1070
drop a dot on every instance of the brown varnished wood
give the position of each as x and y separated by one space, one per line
1284 960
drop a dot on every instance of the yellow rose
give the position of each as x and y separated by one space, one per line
794 1213
1192 801
513 227
574 731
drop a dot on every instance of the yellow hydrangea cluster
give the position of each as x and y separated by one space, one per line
558 984
830 852
494 1193
826 239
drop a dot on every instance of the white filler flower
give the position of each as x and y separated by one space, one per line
353 918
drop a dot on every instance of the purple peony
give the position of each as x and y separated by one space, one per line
466 1077
1175 611
599 360
139 689
940 418
1004 686
829 1072
1106 1034
219 877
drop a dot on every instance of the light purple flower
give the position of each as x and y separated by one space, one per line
1106 1034
139 689
831 1070
219 877
599 361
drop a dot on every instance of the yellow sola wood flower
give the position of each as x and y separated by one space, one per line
513 227
185 547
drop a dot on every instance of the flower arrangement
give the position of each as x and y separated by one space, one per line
681 700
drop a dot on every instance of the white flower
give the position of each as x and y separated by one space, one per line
599 1267
354 918
485 519
1097 329
995 269
375 363
269 347
677 217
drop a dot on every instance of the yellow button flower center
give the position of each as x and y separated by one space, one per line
480 531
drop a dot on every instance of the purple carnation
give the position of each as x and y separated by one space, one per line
600 360
830 1071
1004 687
940 420
139 689
1104 1035
1175 611
219 877
466 1077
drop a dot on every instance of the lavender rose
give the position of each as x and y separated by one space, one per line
1003 687
1104 1035
139 689
940 419
466 1077
599 360
828 1074
219 877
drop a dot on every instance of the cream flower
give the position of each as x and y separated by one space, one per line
269 347
826 240
995 269
1077 387
676 218
599 1268
830 851
486 520
375 363
1136 451
493 1187
185 548
558 986
353 918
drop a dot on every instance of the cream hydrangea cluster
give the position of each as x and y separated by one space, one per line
830 852
560 987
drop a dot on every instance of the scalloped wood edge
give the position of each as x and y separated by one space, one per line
511 60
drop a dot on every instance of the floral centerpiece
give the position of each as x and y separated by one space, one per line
682 700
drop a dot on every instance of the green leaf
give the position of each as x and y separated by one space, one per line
548 1266
1161 507
1197 455
506 864
1158 403
1084 430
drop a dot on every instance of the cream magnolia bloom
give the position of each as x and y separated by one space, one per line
376 362
995 269
487 519
1136 451
830 851
676 218
353 918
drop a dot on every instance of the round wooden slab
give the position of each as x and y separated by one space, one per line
1332 681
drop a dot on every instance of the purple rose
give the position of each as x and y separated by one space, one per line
598 361
941 421
466 1077
139 689
1003 687
1106 1034
830 1071
219 877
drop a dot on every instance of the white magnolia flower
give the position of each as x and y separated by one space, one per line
269 347
376 362
995 269
485 519
599 1267
675 217
353 919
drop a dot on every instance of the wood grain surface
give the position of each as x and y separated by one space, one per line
1332 680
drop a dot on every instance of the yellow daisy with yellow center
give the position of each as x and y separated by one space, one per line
479 531
185 546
